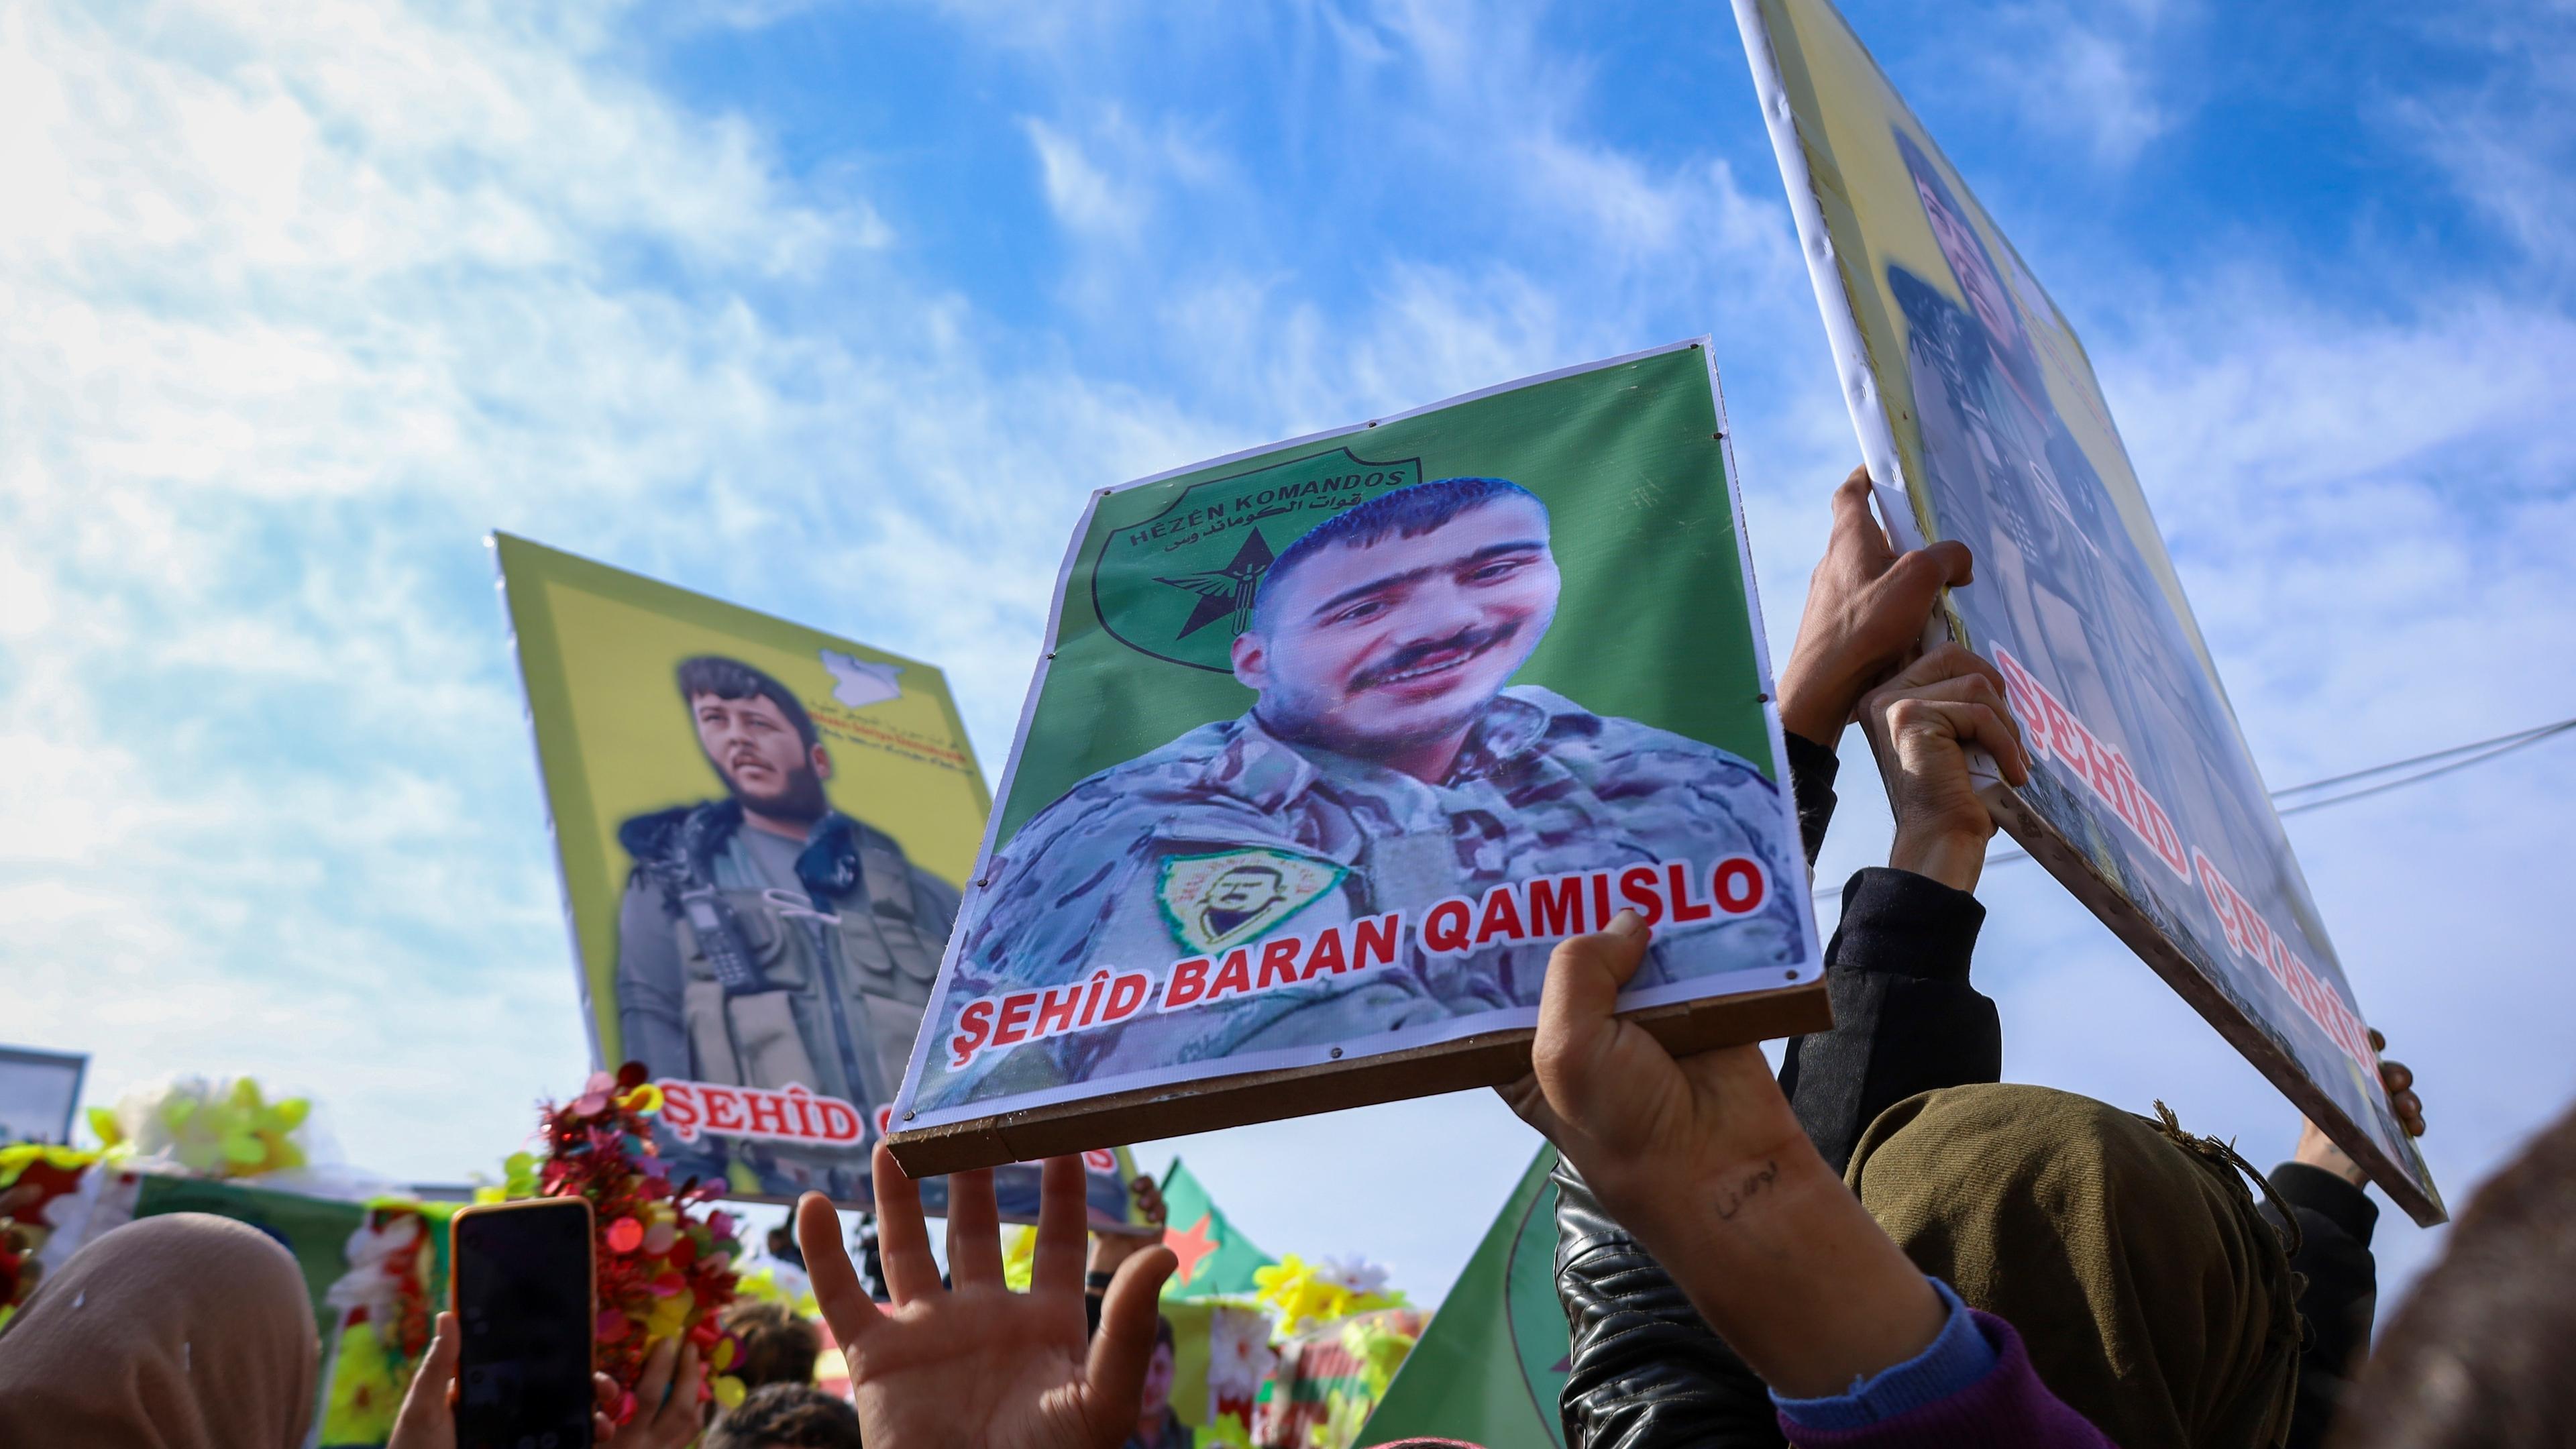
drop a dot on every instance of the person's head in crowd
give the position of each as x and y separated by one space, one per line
2153 1297
773 1344
2478 1353
782 1245
1156 1405
1391 627
787 1416
182 1331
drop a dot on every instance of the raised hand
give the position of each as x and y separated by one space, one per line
1108 1250
1920 724
1703 1161
1867 605
977 1363
2316 1149
668 1395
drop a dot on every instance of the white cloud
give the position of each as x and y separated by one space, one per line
2506 139
1083 197
2081 78
302 300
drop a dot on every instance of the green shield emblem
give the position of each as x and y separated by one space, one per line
1177 578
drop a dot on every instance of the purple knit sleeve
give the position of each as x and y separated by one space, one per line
2007 1409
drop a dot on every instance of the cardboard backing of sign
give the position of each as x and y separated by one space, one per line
1334 739
1980 420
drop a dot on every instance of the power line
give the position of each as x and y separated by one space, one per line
2484 750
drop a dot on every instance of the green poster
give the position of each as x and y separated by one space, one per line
1333 740
1215 1259
1491 1366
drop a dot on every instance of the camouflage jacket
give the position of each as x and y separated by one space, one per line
1131 868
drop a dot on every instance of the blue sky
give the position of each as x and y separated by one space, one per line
837 309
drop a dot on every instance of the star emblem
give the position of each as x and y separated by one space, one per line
1191 1247
1228 590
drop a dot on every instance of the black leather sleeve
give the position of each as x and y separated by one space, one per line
1645 1370
2341 1292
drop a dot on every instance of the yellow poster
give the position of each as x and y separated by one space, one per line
1981 422
763 831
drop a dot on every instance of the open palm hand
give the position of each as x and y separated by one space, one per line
976 1363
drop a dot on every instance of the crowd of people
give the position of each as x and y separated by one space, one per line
1882 1245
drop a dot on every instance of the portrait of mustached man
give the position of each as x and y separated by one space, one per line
1386 763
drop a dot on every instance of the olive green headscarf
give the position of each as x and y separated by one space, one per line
2154 1298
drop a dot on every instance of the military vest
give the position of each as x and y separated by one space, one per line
777 989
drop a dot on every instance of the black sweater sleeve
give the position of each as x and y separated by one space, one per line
1905 1018
2341 1294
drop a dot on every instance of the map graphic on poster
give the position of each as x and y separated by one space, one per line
1981 421
762 830
1335 739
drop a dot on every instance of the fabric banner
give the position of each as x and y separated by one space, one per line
1204 1382
762 831
316 1230
1334 739
1491 1366
1981 420
1331 1377
1216 1260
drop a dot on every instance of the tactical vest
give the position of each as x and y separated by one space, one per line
773 986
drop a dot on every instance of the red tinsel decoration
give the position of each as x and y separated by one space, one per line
650 1246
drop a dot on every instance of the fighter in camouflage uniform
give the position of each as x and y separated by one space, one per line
1385 766
767 938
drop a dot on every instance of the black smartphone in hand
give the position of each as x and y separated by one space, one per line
521 1278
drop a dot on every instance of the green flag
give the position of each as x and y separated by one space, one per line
315 1230
1491 1366
1215 1259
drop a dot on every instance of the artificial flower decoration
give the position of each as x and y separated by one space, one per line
1307 1294
665 1270
41 1192
1357 1276
1239 1360
383 1303
219 1128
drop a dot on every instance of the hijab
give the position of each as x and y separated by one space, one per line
182 1331
2153 1297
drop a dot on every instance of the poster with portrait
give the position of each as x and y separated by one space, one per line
762 830
1981 421
1334 740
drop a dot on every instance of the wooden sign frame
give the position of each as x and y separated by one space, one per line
1636 417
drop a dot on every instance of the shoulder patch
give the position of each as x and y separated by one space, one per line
1215 901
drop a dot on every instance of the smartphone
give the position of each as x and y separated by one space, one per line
523 1288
